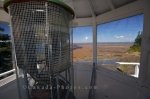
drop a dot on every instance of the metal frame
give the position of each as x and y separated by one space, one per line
58 2
93 77
54 78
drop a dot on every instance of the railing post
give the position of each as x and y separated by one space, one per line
93 77
136 71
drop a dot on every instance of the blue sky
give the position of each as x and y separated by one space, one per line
6 28
82 34
124 30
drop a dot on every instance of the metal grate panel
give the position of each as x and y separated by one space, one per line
41 32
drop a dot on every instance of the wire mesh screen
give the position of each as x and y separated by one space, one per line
41 32
41 35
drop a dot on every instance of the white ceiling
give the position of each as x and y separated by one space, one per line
83 8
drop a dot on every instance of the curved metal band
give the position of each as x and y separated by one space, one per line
57 2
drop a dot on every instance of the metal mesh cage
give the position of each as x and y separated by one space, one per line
41 33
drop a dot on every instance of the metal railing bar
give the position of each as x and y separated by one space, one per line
6 73
127 63
91 94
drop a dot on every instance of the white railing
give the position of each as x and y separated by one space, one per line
136 70
6 73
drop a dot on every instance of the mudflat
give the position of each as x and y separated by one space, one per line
106 51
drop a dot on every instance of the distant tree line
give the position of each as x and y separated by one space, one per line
5 52
136 47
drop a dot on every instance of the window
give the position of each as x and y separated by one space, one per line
82 43
119 44
5 48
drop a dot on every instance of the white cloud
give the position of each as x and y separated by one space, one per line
86 38
119 36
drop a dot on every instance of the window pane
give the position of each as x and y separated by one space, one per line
82 42
119 44
5 48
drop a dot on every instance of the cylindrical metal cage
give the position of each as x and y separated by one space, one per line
42 46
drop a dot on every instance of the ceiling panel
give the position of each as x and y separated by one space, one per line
82 8
119 3
101 6
1 3
4 17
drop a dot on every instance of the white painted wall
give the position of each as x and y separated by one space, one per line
145 57
4 17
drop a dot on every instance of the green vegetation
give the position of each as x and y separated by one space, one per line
126 69
136 47
5 52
